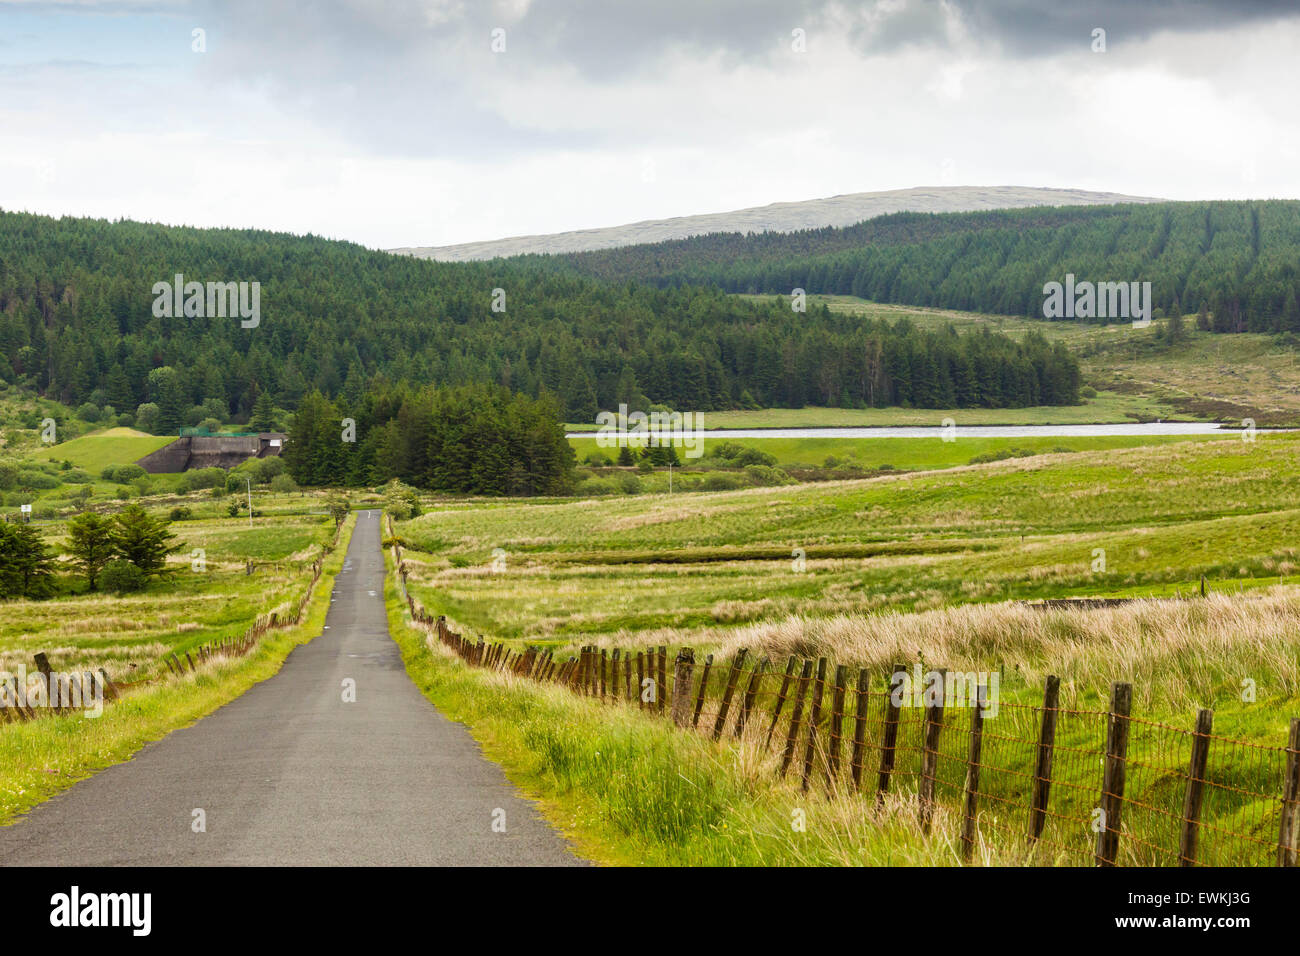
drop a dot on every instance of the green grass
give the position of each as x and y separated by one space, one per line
1105 408
129 635
1023 529
901 454
41 757
113 446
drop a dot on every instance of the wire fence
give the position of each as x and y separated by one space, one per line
1049 784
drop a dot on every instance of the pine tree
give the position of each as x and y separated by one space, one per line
143 540
90 542
263 419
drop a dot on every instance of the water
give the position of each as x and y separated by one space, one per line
969 431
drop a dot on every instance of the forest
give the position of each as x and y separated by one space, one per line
1235 263
472 439
77 324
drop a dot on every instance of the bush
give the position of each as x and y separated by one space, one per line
283 484
203 478
1087 392
121 577
124 474
180 513
718 481
630 484
752 456
37 480
767 475
89 412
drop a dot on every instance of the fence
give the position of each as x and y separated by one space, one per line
1051 784
98 685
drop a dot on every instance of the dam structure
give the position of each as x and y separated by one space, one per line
211 451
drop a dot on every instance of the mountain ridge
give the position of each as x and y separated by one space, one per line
842 210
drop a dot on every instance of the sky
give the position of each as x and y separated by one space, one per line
431 122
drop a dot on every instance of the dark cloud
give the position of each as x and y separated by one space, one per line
1035 27
409 77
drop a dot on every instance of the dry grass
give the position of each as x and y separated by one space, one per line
1178 654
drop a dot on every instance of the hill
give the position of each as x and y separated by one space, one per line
1236 261
836 211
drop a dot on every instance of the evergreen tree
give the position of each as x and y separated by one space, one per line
143 540
90 542
26 566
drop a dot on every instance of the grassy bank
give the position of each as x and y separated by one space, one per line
630 790
41 757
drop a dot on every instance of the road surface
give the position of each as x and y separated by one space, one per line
291 774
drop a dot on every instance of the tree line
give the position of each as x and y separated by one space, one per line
119 553
1237 264
470 439
77 325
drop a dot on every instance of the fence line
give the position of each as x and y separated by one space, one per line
91 685
1088 787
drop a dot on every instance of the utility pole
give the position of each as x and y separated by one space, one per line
249 480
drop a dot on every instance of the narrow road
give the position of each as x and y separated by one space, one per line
291 774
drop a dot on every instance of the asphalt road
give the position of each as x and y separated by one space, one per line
291 774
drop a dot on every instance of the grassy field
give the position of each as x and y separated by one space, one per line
41 757
1206 376
1019 529
128 635
628 788
900 454
112 446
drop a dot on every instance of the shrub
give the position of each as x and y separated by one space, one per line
124 474
752 456
767 475
283 484
89 412
180 513
121 577
718 481
203 478
630 484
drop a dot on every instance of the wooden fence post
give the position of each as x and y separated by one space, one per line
704 687
793 733
814 716
1046 751
640 680
889 737
837 723
732 676
973 774
1112 784
751 693
1195 788
860 727
604 666
1287 829
780 699
933 724
661 688
684 666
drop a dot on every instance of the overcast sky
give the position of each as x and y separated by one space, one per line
394 122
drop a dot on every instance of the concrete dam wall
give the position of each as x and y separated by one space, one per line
218 451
